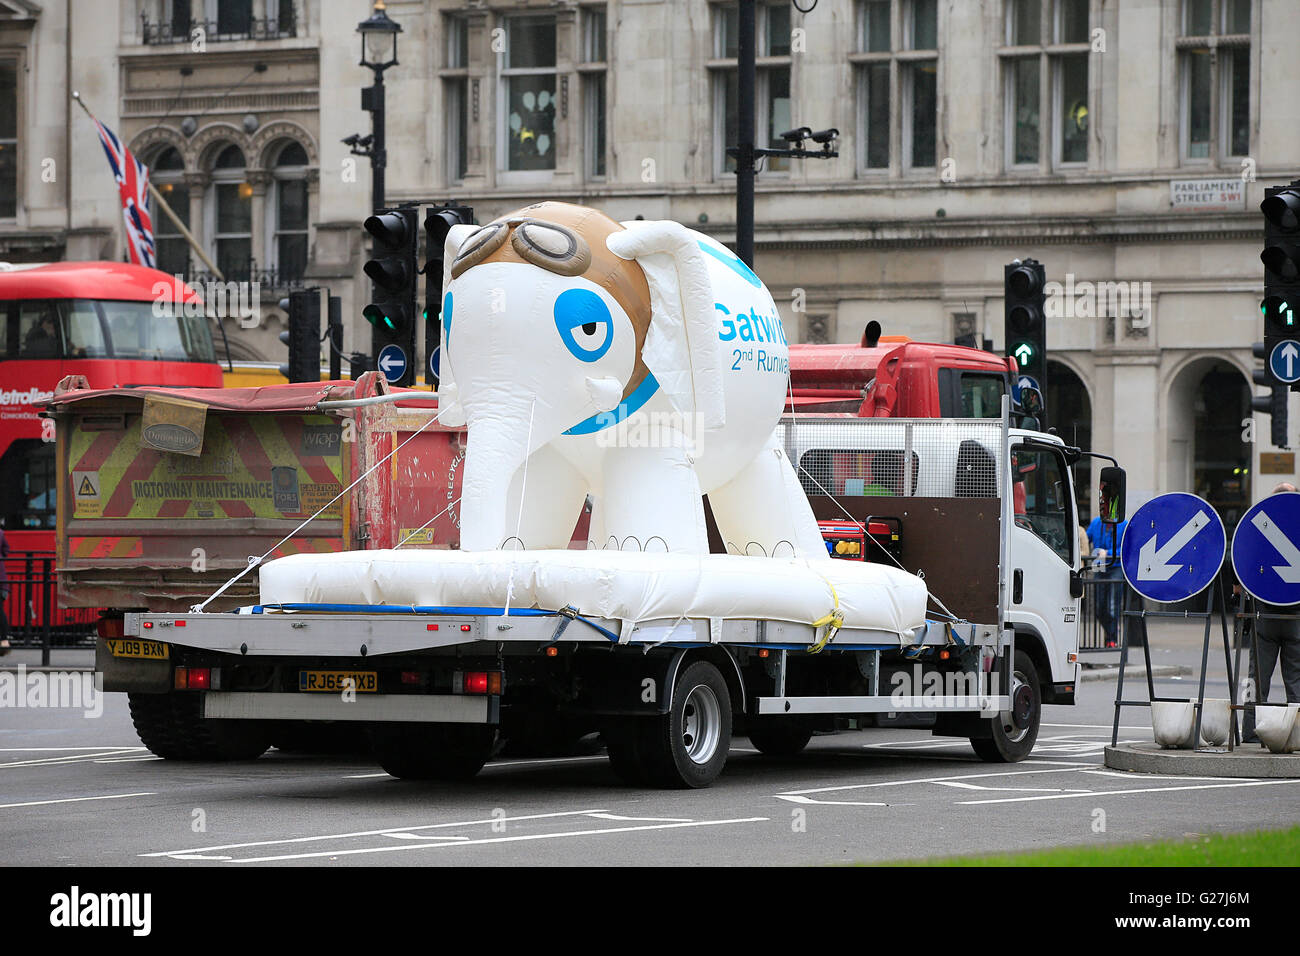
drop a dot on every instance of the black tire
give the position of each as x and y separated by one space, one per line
171 726
433 751
779 736
1009 744
687 747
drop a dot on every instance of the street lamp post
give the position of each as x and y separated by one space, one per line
378 52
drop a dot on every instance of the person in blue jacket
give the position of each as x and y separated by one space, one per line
1110 592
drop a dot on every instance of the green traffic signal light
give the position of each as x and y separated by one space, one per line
1024 353
1277 310
380 318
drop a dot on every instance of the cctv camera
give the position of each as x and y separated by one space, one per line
351 140
797 135
824 136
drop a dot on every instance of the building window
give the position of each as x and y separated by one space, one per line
222 20
1214 79
771 86
167 173
289 245
8 139
593 69
455 90
897 63
528 82
230 211
1045 61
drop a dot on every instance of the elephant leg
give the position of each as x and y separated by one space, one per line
764 511
651 502
553 492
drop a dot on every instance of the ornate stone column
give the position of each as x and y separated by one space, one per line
261 226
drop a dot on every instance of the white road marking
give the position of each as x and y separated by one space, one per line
71 758
1092 726
1122 793
523 763
197 856
45 803
900 783
26 750
363 833
616 817
364 776
128 759
795 798
974 786
526 837
403 835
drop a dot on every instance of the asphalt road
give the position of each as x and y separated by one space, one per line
78 791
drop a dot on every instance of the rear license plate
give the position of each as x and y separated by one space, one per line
365 682
143 650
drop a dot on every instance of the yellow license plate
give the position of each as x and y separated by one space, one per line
134 647
365 682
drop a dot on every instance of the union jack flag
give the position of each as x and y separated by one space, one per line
133 186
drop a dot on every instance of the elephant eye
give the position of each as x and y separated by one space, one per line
586 328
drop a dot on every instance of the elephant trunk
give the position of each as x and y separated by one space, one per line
497 447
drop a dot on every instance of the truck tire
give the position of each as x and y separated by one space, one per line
687 747
1009 743
433 751
171 726
780 736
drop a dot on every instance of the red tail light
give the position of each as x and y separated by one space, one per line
482 682
200 678
110 627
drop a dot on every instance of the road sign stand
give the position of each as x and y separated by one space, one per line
1140 618
1252 618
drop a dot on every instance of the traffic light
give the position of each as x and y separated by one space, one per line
391 310
1281 258
438 221
1026 327
303 335
1274 403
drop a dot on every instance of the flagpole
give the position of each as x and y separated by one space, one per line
171 213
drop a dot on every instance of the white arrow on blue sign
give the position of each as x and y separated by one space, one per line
392 362
1284 361
1173 547
1265 554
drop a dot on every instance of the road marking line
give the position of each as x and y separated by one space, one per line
527 837
1130 775
968 776
616 817
362 833
364 776
110 796
974 786
72 758
128 759
1122 793
403 835
521 763
836 803
51 749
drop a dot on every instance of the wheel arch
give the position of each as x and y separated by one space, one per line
719 658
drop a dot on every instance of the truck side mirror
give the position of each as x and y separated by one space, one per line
1113 495
1031 408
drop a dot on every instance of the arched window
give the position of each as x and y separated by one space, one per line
230 214
288 246
167 173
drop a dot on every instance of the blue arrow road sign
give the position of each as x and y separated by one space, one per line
1173 547
1284 361
392 362
1264 551
434 362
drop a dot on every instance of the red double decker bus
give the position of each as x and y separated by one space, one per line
118 325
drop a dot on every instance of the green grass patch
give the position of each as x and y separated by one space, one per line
1263 848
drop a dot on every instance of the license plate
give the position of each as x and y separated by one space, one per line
365 682
142 650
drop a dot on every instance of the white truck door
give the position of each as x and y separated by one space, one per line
1043 546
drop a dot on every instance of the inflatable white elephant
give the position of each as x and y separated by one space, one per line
642 364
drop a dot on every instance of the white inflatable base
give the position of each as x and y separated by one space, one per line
618 585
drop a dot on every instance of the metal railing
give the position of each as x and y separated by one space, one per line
1101 611
181 29
32 609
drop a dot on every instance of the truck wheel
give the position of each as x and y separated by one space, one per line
779 737
1009 742
687 747
172 727
433 751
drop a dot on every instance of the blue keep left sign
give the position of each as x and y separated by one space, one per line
1264 550
1173 547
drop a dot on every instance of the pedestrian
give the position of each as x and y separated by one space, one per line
1104 537
1277 639
4 591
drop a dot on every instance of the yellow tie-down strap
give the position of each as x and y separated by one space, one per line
832 621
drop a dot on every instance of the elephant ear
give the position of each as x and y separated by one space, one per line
450 412
681 348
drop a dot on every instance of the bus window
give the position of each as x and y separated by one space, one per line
145 330
38 330
27 485
85 334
